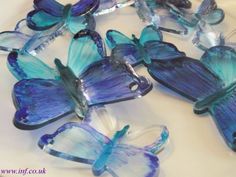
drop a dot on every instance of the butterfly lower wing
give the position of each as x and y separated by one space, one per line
186 76
12 41
215 17
150 33
109 81
40 20
50 6
81 22
75 142
127 160
113 38
39 102
223 112
221 60
158 50
26 66
128 53
86 47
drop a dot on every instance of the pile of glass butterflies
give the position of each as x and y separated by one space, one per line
91 79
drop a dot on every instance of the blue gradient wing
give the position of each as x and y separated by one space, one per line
86 48
223 112
158 50
26 66
128 53
109 81
74 141
83 7
221 60
12 41
127 160
39 102
113 38
186 76
79 23
50 6
40 20
150 33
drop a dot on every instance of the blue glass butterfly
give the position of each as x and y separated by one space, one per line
49 13
210 83
24 40
178 20
80 142
145 50
44 94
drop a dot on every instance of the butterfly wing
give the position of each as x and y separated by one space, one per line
40 20
127 160
113 38
108 81
26 66
221 60
38 102
50 6
85 48
128 53
79 23
150 33
75 142
186 76
223 112
83 7
158 50
12 41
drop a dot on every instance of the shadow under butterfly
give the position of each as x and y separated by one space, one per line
91 78
120 155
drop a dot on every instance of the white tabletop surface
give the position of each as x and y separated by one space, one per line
196 148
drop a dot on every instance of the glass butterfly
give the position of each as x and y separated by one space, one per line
145 50
210 83
80 142
91 78
49 13
24 40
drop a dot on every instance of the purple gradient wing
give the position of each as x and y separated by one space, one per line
83 7
108 81
40 20
50 6
39 102
127 160
74 141
186 76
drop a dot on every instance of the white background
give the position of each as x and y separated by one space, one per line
196 149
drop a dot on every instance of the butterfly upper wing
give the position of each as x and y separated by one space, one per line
108 81
221 60
223 112
79 23
150 33
39 102
113 38
158 50
86 47
186 76
74 141
12 40
40 20
83 7
50 6
26 66
127 160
